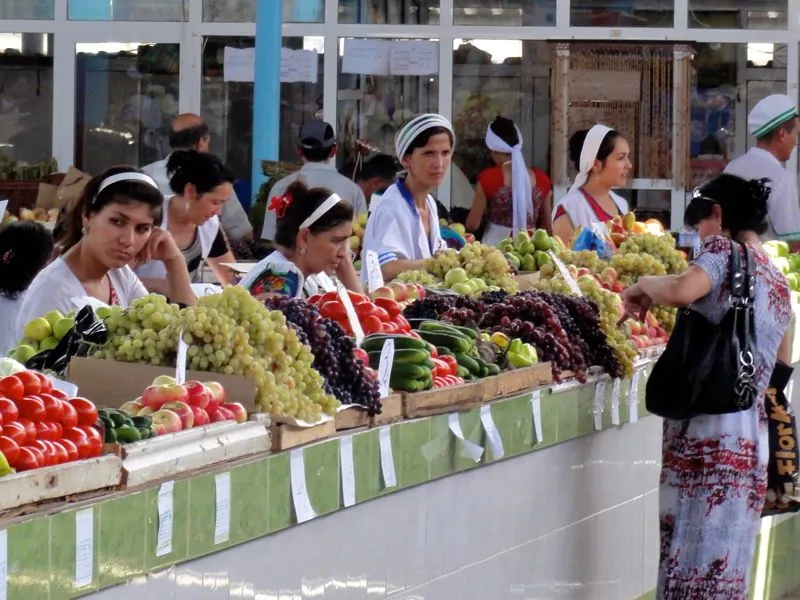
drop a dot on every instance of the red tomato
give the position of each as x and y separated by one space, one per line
31 383
46 384
58 394
62 456
451 362
48 455
30 429
95 439
314 300
53 407
78 437
71 448
58 430
381 314
29 459
52 452
45 431
16 431
70 417
414 335
361 355
87 411
402 323
12 388
333 310
388 327
30 407
10 449
365 309
371 325
357 298
8 410
327 297
389 305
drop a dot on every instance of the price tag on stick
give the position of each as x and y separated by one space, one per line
352 316
374 273
385 367
562 268
180 360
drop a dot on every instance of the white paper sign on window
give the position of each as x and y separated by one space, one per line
239 64
299 66
366 57
414 57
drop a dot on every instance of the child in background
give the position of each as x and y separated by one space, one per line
25 249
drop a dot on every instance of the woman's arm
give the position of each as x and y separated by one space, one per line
393 268
669 290
546 214
179 284
785 349
224 275
156 286
477 211
346 273
562 228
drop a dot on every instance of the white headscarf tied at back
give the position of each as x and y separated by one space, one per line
411 130
591 146
521 188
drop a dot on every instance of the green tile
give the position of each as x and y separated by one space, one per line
279 492
62 554
473 431
441 449
180 526
122 543
322 476
249 508
29 560
202 515
366 463
408 440
504 416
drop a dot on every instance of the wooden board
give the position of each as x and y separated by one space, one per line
285 436
352 418
443 400
518 380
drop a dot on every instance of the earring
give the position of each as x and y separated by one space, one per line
302 251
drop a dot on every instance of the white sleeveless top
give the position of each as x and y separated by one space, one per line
583 210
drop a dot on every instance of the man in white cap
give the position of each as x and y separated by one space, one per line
775 125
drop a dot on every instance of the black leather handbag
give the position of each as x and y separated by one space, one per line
708 368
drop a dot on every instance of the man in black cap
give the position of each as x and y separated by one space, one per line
317 147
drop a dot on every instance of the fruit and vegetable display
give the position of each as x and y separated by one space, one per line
787 263
41 334
528 251
381 314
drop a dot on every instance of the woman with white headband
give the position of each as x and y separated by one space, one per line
113 225
602 158
312 238
507 193
404 228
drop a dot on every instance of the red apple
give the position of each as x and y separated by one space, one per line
145 412
400 291
132 408
183 410
218 396
237 410
383 292
421 291
166 421
222 414
199 395
200 416
157 396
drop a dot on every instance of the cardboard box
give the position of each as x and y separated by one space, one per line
111 384
71 187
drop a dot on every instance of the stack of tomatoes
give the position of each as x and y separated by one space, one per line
41 426
381 315
445 373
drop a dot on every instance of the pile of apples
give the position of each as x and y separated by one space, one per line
402 293
647 334
174 407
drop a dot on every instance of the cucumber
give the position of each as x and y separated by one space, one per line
414 357
401 342
127 434
408 385
456 343
110 436
106 420
444 351
493 369
430 364
463 372
435 326
145 432
406 371
143 421
470 333
120 419
470 363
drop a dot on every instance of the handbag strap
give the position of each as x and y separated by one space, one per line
743 276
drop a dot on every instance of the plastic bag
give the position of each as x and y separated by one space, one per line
590 240
89 331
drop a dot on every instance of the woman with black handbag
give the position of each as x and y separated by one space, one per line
709 386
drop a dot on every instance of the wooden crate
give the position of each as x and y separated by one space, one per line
352 418
443 400
518 380
286 435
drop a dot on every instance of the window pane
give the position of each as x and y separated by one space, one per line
371 108
227 106
738 14
126 96
26 96
392 12
127 10
537 13
612 13
26 9
244 11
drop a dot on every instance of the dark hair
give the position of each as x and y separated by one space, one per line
186 139
90 203
423 138
304 202
383 166
505 130
787 127
743 203
315 155
606 146
25 248
204 171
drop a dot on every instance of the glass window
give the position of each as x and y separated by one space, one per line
127 10
497 77
126 94
372 107
538 13
612 13
244 11
391 12
26 96
738 14
26 9
227 106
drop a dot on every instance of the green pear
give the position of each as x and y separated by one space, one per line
48 344
63 327
38 329
24 353
53 317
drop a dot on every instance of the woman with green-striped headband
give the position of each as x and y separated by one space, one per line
403 229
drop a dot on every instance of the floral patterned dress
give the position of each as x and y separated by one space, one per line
714 468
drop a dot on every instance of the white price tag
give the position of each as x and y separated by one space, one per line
4 564
222 523
348 470
474 450
165 519
615 393
70 389
374 273
355 324
633 397
387 457
385 367
302 503
489 426
536 409
180 361
84 547
599 402
3 204
562 268
325 282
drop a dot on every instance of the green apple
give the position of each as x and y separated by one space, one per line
29 342
454 276
794 281
48 344
38 329
777 248
63 327
782 263
53 317
24 353
542 241
462 289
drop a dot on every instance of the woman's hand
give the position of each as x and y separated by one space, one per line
636 302
161 247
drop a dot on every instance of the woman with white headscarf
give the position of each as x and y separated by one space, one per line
507 192
403 230
602 158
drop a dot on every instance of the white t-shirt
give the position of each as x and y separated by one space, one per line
57 288
9 307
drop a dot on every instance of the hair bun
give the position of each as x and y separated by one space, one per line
760 190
